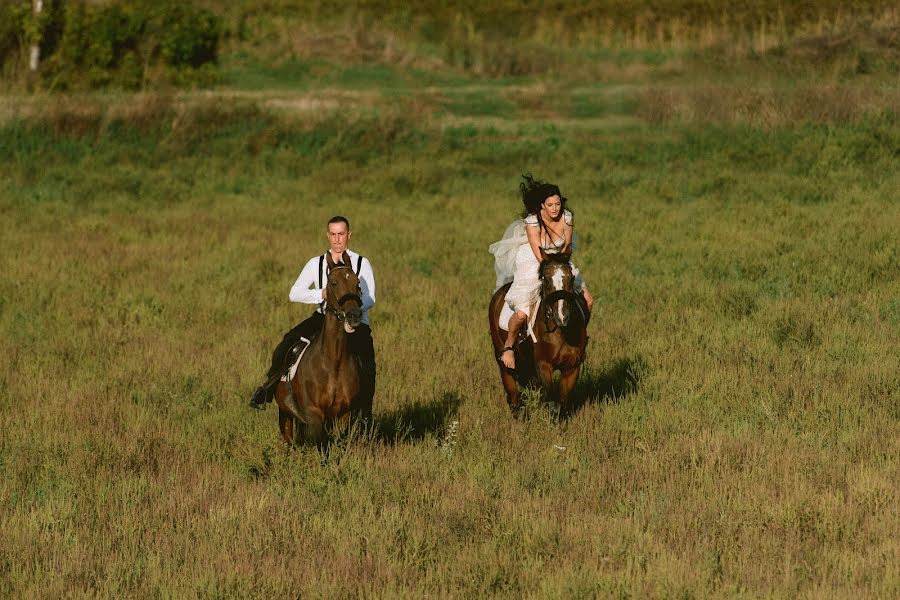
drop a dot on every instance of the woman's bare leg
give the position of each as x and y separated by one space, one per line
508 358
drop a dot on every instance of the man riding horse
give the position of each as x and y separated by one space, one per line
310 289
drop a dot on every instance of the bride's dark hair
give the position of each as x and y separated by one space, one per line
535 191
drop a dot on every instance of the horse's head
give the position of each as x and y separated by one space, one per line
557 286
343 295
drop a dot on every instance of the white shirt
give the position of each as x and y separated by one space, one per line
306 289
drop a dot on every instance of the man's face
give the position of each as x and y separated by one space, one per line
338 237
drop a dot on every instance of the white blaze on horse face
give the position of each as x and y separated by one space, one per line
558 280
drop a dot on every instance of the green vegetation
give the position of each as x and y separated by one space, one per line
150 44
131 44
737 431
739 427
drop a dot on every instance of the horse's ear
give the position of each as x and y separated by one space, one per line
345 258
568 253
330 260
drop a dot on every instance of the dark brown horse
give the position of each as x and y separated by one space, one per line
561 331
326 385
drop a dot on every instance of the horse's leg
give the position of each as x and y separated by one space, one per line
511 388
545 374
285 417
315 426
341 425
567 381
286 425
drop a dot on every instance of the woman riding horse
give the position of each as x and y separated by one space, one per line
548 226
535 277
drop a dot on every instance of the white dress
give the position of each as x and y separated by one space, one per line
515 261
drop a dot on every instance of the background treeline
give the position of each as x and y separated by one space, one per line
567 22
143 43
126 44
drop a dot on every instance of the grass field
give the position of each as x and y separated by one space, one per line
737 431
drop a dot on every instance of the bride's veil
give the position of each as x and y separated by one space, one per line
505 250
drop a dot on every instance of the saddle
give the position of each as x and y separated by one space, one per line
266 392
292 358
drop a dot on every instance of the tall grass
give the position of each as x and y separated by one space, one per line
737 426
126 45
512 39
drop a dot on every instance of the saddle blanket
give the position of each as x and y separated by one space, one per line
293 370
506 314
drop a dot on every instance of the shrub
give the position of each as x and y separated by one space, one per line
188 37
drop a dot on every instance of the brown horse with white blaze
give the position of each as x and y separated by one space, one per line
560 328
326 386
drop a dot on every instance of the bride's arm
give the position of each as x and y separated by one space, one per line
534 240
570 221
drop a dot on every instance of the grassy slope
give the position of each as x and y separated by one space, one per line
739 427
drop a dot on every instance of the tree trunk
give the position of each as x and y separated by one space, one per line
34 56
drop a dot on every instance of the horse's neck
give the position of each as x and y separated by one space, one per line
333 339
546 327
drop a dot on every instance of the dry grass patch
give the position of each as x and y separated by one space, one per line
768 108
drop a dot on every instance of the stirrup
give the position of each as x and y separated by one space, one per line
522 335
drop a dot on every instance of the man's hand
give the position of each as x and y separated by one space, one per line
324 293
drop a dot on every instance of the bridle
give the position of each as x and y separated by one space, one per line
339 312
548 301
